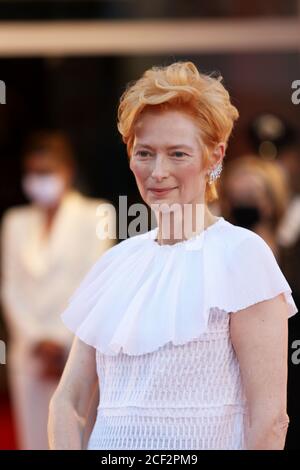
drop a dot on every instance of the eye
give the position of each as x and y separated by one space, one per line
179 154
142 153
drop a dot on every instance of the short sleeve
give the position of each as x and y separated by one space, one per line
256 276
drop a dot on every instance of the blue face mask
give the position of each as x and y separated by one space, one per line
245 215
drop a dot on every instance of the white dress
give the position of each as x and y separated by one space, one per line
158 317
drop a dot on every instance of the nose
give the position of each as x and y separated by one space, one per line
160 168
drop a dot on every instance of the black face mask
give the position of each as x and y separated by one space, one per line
245 215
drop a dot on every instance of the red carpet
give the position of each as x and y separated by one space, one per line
7 434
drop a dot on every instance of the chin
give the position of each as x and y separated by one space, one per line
167 204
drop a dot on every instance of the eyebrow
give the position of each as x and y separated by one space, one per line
170 147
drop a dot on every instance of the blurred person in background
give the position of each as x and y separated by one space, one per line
273 136
262 196
288 234
47 247
255 196
288 237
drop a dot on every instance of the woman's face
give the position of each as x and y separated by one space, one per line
167 159
46 179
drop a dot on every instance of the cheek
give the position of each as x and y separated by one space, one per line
140 171
189 175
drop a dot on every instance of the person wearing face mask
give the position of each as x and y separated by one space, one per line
288 236
255 196
47 247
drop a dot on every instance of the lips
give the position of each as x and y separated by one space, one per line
161 190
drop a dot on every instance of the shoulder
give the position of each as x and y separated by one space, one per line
245 269
92 213
17 214
94 203
14 222
237 233
86 202
235 240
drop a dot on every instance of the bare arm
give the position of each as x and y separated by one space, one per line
91 416
259 335
70 404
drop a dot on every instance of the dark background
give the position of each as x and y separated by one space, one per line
112 9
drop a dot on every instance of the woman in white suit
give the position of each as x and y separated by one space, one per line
47 247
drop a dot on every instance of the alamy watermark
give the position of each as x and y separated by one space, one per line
178 221
2 352
296 93
2 92
295 358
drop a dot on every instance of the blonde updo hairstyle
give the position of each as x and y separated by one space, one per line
182 87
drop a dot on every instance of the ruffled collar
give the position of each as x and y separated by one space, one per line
141 295
195 241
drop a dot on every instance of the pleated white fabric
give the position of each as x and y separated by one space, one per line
158 316
141 295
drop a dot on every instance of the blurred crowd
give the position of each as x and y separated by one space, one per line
261 192
47 247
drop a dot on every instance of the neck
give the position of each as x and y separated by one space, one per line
183 224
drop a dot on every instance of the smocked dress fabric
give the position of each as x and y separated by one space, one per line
158 317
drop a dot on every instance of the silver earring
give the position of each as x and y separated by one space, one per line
215 173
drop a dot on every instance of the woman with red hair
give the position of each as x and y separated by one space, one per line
184 327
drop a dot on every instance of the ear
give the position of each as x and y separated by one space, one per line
218 153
